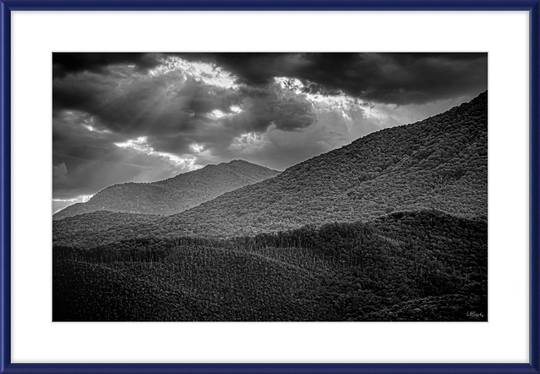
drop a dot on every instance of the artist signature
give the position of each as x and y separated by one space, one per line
475 315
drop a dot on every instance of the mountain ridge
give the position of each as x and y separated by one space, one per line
439 163
174 194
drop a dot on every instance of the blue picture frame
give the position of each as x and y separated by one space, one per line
6 6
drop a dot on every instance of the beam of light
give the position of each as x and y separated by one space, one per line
163 83
127 82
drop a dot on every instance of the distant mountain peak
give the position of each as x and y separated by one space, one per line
173 195
237 161
231 163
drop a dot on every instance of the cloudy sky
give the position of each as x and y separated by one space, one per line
143 117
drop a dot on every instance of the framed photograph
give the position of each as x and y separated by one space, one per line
269 187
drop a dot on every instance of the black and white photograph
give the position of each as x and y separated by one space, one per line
270 187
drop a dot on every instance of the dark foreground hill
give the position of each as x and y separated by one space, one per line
405 266
172 195
438 163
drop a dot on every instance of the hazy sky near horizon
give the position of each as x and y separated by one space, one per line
142 117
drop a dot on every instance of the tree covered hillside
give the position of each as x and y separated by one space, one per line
438 163
404 266
173 195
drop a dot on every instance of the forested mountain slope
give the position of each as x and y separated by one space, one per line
438 163
173 195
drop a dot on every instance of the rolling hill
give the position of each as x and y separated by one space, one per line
404 266
172 195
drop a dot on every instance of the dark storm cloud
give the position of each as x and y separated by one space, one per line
68 63
84 162
390 78
142 106
269 104
125 117
402 78
175 109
